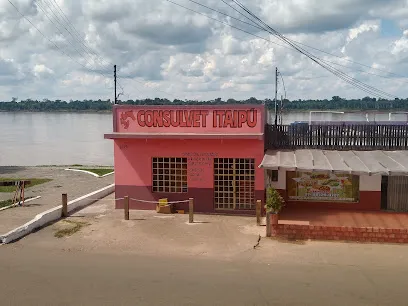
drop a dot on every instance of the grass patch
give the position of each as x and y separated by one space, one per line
98 171
10 202
6 203
34 181
74 226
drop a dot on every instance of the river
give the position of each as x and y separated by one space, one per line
31 139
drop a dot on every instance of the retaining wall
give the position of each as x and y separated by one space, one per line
55 213
360 234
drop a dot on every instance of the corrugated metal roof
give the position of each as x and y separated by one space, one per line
393 163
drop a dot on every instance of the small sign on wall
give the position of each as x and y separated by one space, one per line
322 186
199 165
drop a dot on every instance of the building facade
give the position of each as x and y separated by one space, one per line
351 180
208 153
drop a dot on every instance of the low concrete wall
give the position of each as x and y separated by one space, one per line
54 214
360 234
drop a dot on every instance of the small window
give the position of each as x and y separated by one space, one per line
169 174
273 175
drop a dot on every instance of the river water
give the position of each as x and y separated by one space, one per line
30 139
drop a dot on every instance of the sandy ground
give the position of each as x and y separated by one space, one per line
210 236
157 259
75 184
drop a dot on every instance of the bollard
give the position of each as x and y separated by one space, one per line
126 200
268 224
190 210
64 205
258 212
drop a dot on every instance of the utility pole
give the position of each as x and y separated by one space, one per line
280 110
276 97
114 76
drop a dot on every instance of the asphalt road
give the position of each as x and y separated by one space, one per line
35 276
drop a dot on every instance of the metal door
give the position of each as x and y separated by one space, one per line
397 193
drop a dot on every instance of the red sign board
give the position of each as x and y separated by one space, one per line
157 119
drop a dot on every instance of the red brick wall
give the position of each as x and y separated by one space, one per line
369 200
361 234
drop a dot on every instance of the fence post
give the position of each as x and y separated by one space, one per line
268 224
191 210
258 212
64 205
126 207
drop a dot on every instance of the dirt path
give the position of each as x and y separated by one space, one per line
75 184
157 259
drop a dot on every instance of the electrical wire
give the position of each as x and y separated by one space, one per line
56 46
314 48
74 32
80 54
331 54
52 42
352 81
341 75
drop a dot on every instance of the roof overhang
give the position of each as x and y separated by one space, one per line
388 163
258 136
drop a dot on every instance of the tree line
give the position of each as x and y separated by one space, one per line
336 103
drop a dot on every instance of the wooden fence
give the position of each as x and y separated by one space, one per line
337 137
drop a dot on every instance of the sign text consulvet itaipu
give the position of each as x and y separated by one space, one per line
190 119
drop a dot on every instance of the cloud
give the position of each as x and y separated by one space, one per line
163 50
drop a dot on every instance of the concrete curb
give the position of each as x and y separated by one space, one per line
54 214
16 204
89 172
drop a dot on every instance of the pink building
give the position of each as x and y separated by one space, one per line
209 153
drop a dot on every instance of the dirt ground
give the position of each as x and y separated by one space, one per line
155 259
210 236
75 184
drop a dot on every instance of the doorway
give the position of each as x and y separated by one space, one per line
234 183
396 193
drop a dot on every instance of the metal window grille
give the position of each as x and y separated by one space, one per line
234 183
169 174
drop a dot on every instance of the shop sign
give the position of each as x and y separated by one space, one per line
190 118
321 186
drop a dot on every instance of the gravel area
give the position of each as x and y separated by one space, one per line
75 184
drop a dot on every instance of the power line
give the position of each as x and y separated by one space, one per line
356 83
42 9
333 70
261 28
83 51
77 35
56 46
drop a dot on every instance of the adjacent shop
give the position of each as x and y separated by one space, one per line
208 153
352 180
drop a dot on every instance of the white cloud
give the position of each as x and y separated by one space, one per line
162 50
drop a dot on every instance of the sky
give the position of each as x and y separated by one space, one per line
66 49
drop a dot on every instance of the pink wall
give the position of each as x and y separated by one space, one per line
133 155
226 119
133 168
133 158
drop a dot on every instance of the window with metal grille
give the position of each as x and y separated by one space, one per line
169 174
272 175
234 183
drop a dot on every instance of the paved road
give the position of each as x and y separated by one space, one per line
43 277
75 184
